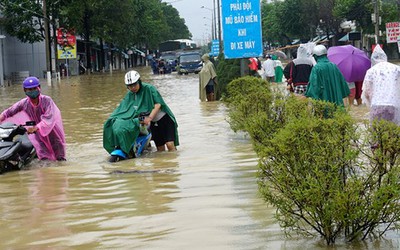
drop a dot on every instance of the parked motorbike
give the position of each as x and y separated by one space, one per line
141 143
16 150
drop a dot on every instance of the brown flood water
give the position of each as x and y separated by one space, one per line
204 196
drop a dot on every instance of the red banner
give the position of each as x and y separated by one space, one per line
66 38
392 32
66 44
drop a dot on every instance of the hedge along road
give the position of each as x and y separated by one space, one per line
204 196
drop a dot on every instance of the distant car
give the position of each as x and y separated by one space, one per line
170 57
189 62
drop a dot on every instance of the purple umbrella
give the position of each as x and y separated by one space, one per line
351 61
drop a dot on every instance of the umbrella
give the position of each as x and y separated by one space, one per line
351 61
278 53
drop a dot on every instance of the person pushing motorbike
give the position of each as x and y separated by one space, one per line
123 125
47 136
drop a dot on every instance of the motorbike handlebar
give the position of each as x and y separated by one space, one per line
29 123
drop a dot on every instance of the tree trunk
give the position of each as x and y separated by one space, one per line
102 59
86 23
53 24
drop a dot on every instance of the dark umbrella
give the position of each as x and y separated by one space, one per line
352 62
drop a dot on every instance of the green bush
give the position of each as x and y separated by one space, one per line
248 97
316 164
227 70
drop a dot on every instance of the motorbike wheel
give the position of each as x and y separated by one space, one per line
114 158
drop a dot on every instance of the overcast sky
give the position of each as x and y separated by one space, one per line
196 18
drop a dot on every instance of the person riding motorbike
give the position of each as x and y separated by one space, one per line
47 136
123 126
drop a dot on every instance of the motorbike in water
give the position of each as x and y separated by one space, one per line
141 143
16 150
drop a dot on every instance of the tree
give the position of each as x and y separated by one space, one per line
23 20
150 23
110 21
113 24
358 10
272 26
176 27
299 18
141 23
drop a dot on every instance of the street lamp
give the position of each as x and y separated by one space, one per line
212 27
1 61
213 22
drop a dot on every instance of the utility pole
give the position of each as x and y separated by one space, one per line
219 26
47 43
215 21
376 19
398 7
1 61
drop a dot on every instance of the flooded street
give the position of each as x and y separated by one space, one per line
203 196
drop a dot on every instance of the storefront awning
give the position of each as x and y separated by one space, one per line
141 53
344 38
126 56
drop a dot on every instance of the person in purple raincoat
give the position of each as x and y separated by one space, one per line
47 136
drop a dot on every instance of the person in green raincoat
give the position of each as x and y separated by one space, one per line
123 126
326 82
278 69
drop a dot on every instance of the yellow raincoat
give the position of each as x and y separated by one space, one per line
206 74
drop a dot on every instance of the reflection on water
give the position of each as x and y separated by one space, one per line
203 196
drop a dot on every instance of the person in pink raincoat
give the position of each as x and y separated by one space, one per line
47 136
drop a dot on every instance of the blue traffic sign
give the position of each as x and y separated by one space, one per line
215 47
241 23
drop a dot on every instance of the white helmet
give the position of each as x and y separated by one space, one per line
131 77
319 50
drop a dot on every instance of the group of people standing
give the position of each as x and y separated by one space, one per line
272 69
322 80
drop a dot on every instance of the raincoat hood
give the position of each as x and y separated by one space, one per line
322 58
303 56
378 55
205 58
302 52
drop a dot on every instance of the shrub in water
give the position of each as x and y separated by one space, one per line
316 164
